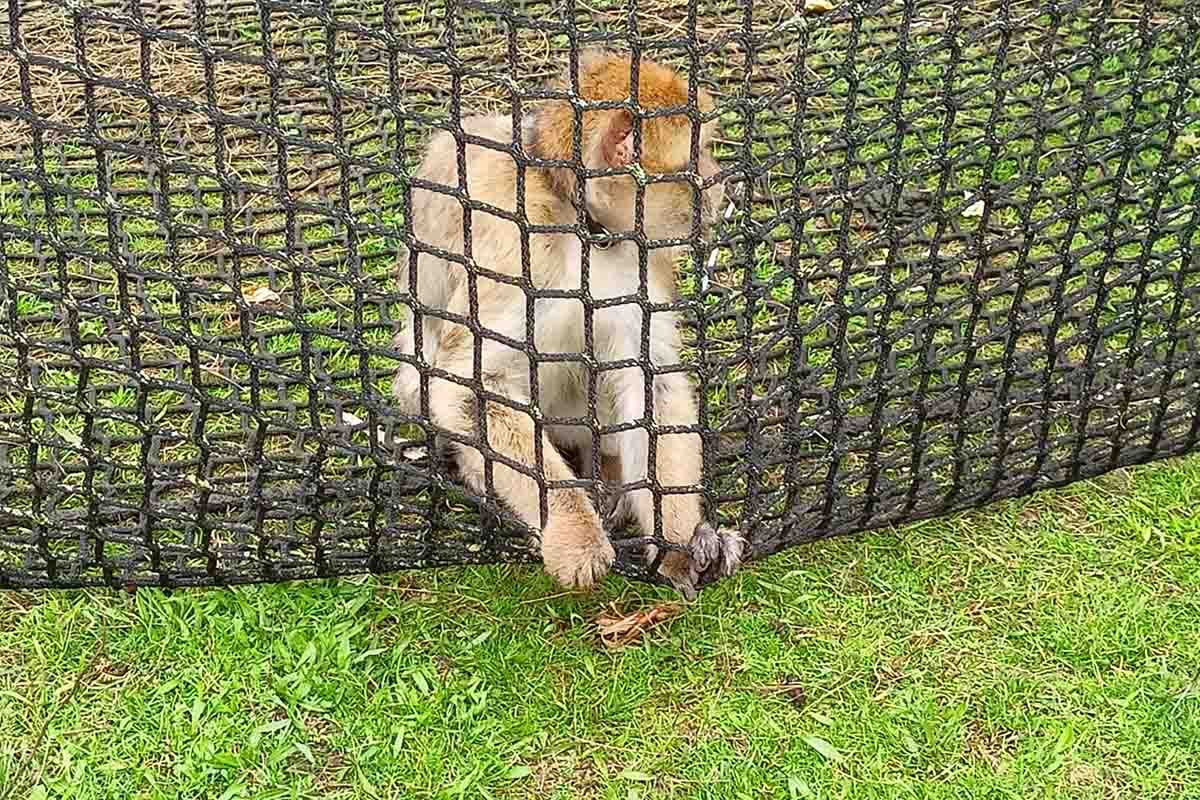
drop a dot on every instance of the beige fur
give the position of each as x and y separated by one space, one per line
575 548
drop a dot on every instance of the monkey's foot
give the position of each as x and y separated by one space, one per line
713 554
616 511
576 551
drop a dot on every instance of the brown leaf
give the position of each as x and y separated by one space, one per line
618 630
261 295
415 453
817 6
974 210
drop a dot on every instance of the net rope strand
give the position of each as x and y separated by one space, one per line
960 262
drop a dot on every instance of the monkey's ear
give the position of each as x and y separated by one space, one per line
616 145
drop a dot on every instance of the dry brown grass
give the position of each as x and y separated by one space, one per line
113 52
58 93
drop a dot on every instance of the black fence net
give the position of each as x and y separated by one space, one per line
957 260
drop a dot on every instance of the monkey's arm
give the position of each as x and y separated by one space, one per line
575 548
677 464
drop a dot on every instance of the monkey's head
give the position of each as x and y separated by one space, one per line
607 143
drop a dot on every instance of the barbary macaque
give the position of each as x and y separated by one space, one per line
574 545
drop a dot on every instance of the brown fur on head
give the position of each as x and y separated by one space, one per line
607 143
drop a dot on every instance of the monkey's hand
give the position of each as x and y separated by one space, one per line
576 551
713 554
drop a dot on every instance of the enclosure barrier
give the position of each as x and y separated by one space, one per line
960 264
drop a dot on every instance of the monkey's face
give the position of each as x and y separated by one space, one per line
672 202
681 199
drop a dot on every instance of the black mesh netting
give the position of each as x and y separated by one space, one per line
962 264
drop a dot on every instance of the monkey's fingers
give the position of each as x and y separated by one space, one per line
676 567
714 555
616 514
718 554
687 588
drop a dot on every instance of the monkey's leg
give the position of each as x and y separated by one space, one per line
613 511
677 465
575 548
616 509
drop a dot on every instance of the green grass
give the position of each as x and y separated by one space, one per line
1045 647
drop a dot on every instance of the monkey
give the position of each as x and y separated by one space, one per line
449 296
